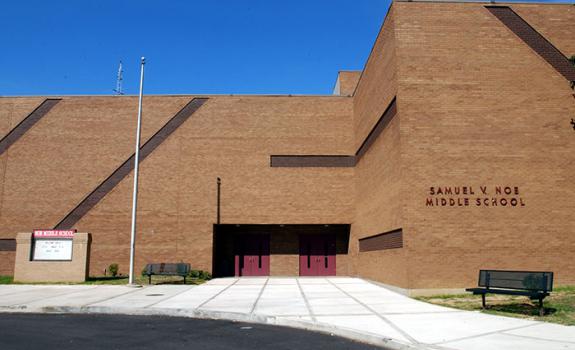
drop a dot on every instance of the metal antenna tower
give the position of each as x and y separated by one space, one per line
118 90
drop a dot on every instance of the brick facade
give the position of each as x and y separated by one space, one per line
475 105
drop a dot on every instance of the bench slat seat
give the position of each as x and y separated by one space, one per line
535 294
167 269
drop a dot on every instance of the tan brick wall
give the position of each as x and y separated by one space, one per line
347 82
378 204
377 85
379 207
479 107
344 262
229 137
14 110
284 259
69 152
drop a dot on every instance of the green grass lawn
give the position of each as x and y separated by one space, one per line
559 306
121 280
143 280
6 279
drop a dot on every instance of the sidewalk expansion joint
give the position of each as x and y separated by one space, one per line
259 296
423 312
384 319
500 331
112 297
218 293
169 297
307 304
540 339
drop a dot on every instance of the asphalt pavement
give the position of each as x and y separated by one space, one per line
86 332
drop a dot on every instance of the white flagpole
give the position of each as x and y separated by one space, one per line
136 164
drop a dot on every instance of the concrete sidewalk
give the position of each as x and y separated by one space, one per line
350 307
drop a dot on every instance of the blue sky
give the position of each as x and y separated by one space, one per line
212 47
206 47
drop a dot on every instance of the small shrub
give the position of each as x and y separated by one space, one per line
113 269
205 275
572 59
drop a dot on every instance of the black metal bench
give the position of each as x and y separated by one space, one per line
165 269
534 284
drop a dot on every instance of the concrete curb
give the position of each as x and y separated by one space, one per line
363 337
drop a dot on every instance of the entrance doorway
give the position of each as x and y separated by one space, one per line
252 257
317 255
278 249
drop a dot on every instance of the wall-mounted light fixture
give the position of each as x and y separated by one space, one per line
573 123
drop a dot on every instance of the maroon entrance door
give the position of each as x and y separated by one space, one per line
252 256
317 255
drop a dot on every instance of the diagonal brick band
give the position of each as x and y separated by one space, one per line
26 124
123 170
535 40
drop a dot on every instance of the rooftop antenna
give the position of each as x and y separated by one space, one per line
118 90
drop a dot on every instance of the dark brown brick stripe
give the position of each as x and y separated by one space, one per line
336 161
387 240
7 245
312 161
535 40
27 123
121 172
